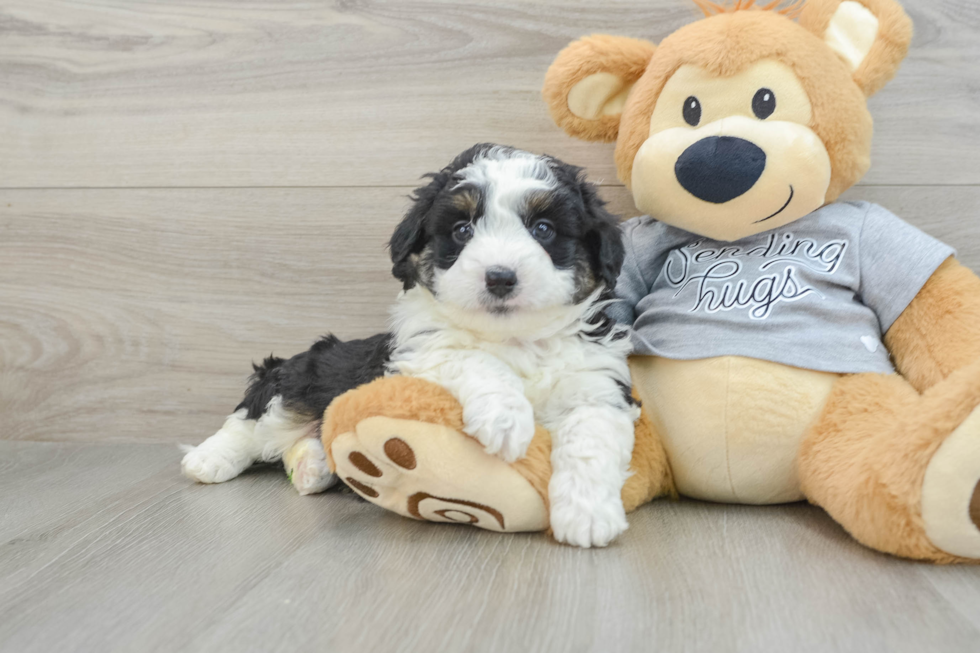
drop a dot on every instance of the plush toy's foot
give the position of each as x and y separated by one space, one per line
951 491
434 472
399 443
900 470
306 466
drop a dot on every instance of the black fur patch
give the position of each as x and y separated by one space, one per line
596 228
434 211
309 381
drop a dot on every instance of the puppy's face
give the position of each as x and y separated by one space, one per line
504 232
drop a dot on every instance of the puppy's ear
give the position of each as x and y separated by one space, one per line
409 237
604 238
587 85
871 36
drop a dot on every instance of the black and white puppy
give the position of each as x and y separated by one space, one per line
507 260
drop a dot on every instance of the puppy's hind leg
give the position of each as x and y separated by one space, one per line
242 441
295 438
306 465
224 455
237 444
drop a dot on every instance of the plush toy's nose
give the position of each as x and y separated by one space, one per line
718 169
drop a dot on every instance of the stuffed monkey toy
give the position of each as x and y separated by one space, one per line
787 346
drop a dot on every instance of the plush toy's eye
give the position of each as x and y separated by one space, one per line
692 111
462 231
764 103
543 231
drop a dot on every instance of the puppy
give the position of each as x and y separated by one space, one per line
507 260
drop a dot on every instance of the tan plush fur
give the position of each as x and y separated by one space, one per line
867 448
865 459
726 44
895 35
403 397
867 453
624 57
940 330
712 8
731 426
400 397
651 472
730 39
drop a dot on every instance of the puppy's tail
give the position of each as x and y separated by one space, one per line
263 385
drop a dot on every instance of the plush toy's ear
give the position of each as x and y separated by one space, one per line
587 85
871 36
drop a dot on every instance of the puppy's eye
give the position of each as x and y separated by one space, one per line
543 231
462 232
692 111
764 103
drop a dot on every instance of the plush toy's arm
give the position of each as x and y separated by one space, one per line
939 331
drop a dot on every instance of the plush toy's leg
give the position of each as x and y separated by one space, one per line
398 442
900 470
651 475
306 466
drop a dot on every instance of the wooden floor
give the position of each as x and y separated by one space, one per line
104 548
188 185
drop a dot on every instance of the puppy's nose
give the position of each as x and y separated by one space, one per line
501 281
718 169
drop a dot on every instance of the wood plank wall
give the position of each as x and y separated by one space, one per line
186 186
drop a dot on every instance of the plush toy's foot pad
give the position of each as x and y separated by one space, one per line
306 466
951 491
435 473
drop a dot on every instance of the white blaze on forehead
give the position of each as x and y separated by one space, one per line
506 179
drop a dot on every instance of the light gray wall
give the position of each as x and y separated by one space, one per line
185 188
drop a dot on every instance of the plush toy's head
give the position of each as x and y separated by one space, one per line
743 121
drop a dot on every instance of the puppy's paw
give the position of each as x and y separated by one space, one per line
504 424
209 465
306 466
587 523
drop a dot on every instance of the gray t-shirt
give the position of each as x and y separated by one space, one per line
817 293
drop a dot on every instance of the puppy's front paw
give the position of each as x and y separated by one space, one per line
504 424
586 523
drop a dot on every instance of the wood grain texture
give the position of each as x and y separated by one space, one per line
132 315
186 186
121 93
125 314
106 548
